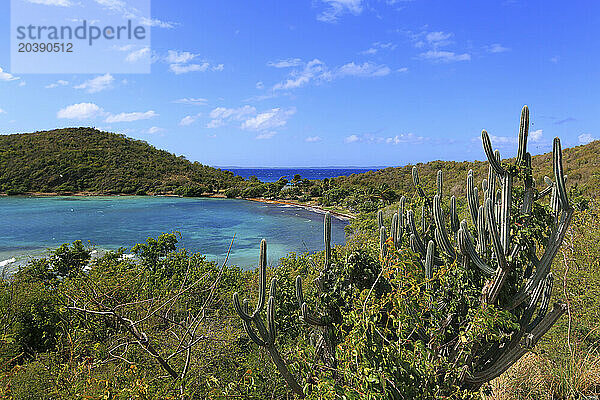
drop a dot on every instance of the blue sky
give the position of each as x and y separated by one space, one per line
331 82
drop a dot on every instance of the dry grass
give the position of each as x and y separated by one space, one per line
537 377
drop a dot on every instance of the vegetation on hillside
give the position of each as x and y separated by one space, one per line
88 160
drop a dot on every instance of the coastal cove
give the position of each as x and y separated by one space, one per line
33 224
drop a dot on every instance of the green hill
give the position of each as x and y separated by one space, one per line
582 165
75 160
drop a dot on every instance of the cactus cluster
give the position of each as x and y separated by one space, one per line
265 335
487 244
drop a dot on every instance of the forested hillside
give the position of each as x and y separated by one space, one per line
582 165
89 160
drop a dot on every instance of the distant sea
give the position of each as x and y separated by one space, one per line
30 225
273 174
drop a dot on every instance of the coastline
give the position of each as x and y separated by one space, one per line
309 207
313 208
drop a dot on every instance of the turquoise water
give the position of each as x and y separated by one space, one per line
32 224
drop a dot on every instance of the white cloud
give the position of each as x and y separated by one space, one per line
437 39
265 123
535 136
198 101
2 111
352 139
402 138
403 69
266 135
80 111
444 56
60 3
336 8
180 63
97 84
215 123
312 70
185 68
137 55
157 23
187 120
260 85
496 48
431 42
312 139
555 59
5 76
274 118
290 62
58 83
375 47
130 117
177 57
405 138
586 138
365 70
153 130
220 115
316 71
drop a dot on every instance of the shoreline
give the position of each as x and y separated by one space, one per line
309 207
313 208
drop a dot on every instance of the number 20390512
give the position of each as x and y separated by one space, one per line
26 47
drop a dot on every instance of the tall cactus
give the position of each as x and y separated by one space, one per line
321 321
264 336
487 249
491 221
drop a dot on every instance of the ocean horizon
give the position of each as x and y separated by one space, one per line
268 174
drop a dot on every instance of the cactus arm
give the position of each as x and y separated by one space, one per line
467 249
440 182
528 195
414 233
511 356
262 278
523 132
441 233
507 184
559 176
382 240
380 218
394 229
454 223
544 304
241 310
493 231
429 264
285 372
401 215
487 147
327 237
271 320
481 232
471 200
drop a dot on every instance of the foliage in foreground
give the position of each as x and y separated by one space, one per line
74 360
471 304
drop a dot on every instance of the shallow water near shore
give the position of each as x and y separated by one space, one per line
30 225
